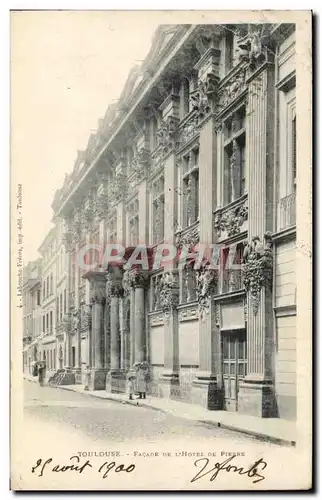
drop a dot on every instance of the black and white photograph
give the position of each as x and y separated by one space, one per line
161 250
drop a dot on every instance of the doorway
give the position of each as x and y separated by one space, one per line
234 359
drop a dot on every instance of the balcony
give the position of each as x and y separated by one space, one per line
232 219
287 211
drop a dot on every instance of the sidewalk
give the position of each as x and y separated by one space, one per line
274 430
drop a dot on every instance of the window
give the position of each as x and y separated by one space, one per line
44 290
190 180
38 298
184 98
73 357
231 269
188 284
65 302
234 157
54 365
133 211
61 306
47 322
113 229
47 286
158 211
43 323
51 321
153 131
155 304
286 215
51 284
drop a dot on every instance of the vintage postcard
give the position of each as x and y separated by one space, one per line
161 250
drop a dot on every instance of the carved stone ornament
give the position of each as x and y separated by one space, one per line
231 221
251 46
189 238
207 280
140 164
235 86
217 314
169 291
76 318
118 186
86 317
167 134
258 268
113 288
134 278
203 97
98 295
189 130
67 240
101 206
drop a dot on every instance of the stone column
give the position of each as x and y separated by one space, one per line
256 394
140 333
115 330
132 326
98 374
114 292
107 339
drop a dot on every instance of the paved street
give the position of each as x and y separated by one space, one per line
61 427
112 422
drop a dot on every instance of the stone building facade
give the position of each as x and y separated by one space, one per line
199 149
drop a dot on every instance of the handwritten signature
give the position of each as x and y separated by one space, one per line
77 466
251 472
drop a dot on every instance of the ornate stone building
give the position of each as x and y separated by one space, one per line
200 148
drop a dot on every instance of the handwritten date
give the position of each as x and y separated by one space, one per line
77 466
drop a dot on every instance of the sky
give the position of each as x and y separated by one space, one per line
66 68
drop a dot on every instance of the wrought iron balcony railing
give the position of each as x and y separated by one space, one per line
287 211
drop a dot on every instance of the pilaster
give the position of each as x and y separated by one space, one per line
256 394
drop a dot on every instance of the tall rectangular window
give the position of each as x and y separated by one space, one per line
133 218
51 321
234 156
158 210
190 181
61 306
65 302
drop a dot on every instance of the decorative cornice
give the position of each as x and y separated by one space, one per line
258 268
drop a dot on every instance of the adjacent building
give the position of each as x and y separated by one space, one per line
32 326
199 150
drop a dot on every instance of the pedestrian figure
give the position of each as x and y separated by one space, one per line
142 383
87 377
41 373
130 385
